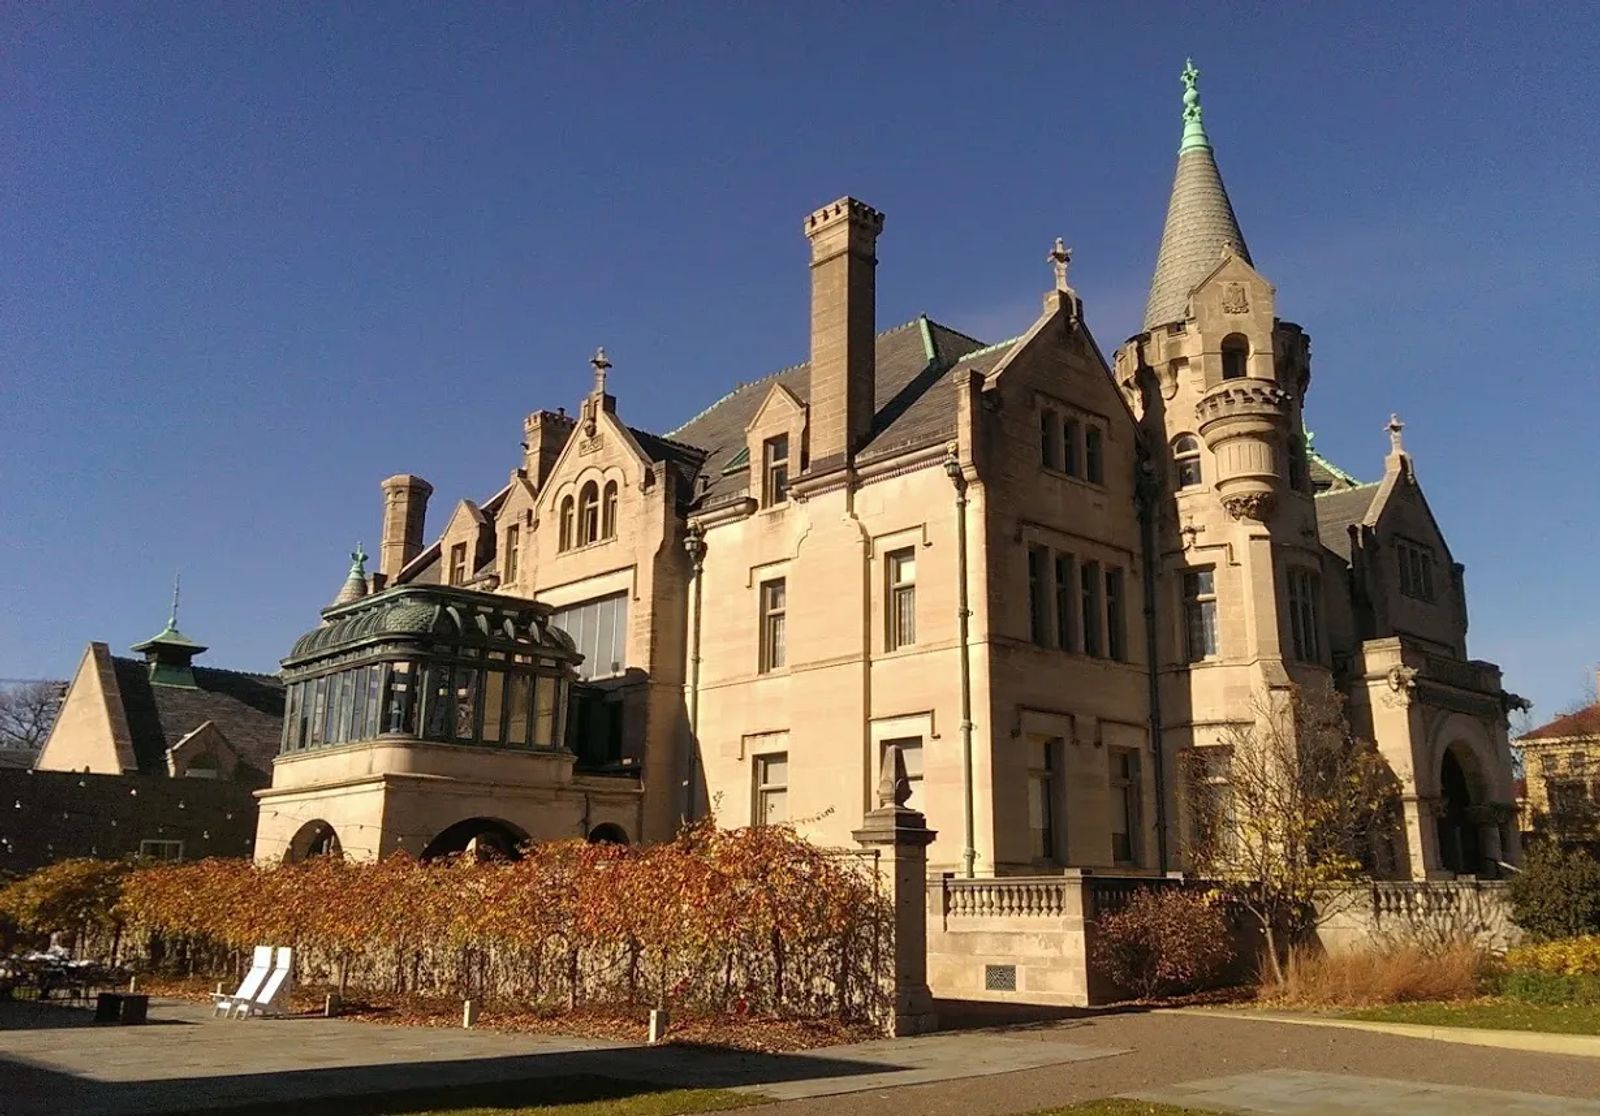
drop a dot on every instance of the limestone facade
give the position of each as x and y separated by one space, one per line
1042 574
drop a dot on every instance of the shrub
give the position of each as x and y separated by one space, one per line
1553 989
1570 956
1163 943
1557 893
1392 974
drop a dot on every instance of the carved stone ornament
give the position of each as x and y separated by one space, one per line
1249 505
1235 300
591 445
1402 684
894 789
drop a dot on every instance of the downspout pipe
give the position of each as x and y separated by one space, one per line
1147 489
969 853
694 543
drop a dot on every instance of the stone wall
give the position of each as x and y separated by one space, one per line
1431 912
54 815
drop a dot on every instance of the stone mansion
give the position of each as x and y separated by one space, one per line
1042 573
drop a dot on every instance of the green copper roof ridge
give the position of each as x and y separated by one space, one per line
1194 129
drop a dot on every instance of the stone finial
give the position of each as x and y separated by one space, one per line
894 789
1194 129
1394 426
172 621
601 366
1059 257
358 560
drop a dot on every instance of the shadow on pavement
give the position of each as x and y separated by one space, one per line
48 1015
973 1015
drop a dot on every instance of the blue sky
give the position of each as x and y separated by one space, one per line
258 257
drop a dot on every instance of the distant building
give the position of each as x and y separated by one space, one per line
155 757
1561 770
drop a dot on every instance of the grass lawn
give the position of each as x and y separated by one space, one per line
549 1096
1502 1015
1115 1106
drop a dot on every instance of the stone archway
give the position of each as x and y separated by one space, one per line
608 833
313 839
1463 807
479 838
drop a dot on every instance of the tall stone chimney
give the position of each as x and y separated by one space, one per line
844 240
405 505
544 435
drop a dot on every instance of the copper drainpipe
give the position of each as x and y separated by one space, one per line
952 468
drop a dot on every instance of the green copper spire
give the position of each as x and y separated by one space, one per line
355 584
1194 129
167 653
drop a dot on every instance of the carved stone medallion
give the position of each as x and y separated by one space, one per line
1235 300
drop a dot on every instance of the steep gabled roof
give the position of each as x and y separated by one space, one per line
910 360
246 708
1583 722
1200 221
1340 508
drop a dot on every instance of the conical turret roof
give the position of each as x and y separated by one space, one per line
1200 220
355 584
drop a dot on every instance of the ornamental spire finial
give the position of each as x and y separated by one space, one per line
1394 426
1060 256
600 365
172 621
358 560
1194 129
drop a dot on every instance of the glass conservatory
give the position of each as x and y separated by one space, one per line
431 663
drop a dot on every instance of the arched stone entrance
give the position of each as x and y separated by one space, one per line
313 839
608 833
481 838
1469 840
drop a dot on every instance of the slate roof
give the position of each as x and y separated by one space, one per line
247 708
1584 722
1200 223
1337 509
912 361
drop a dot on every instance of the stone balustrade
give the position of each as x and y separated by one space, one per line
1004 898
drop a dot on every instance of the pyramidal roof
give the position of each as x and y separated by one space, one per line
1200 220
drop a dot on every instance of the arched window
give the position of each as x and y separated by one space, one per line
588 514
567 517
1186 454
1235 356
608 512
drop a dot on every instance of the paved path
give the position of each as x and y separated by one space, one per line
52 1061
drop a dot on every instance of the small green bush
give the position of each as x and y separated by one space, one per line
1164 943
1557 894
1550 989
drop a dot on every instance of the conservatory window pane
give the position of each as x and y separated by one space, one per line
466 702
493 700
519 698
544 714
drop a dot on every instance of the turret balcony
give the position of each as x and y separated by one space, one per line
1243 422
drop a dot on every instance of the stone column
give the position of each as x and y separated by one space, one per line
901 837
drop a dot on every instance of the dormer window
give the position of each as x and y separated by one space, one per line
1186 455
775 471
1235 356
588 514
458 564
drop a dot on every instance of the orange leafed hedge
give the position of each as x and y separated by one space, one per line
745 920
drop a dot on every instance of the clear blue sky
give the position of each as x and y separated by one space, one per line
258 257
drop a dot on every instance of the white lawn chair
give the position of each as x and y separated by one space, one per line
273 998
260 966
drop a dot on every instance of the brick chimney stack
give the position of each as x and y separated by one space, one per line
405 506
844 240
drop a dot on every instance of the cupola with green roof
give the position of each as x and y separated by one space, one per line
168 653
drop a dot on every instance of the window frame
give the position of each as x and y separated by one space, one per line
1116 605
1039 595
1235 355
1092 609
1042 782
1068 629
1126 779
1051 440
1304 591
775 470
569 524
147 852
773 652
900 598
1186 456
1197 586
763 788
608 510
458 563
513 550
589 514
1094 453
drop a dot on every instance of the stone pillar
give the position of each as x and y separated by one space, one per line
901 837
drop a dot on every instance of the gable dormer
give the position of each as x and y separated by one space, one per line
1232 311
775 446
466 545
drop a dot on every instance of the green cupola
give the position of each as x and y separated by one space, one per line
167 654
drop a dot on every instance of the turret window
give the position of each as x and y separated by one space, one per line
1186 454
1235 356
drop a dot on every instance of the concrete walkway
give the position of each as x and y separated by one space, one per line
54 1061
1543 1042
1338 1094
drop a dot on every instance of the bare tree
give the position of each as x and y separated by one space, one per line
27 710
1287 808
